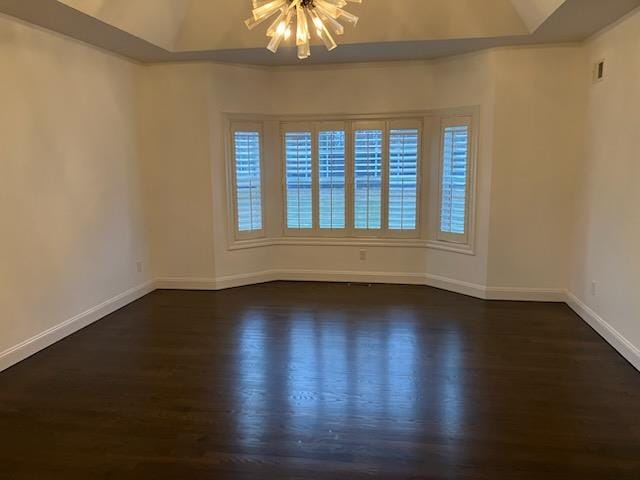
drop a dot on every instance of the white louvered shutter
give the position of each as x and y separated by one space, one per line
331 179
299 179
248 181
403 178
455 178
367 187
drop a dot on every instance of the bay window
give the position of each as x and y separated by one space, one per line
359 179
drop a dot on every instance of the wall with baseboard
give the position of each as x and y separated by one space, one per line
73 224
183 139
527 159
605 256
130 168
538 130
465 80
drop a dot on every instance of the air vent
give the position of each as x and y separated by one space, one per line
598 71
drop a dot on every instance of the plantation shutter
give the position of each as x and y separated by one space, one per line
403 178
248 181
454 182
331 181
299 179
368 173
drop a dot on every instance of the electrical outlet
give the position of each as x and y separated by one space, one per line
363 254
139 267
594 288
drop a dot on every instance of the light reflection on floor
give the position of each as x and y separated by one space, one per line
328 371
252 391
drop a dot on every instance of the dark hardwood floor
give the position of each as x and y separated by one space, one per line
324 381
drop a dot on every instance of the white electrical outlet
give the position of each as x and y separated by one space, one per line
139 267
363 254
594 288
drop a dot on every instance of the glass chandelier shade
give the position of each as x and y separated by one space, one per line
325 18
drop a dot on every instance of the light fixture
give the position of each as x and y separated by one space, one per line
323 16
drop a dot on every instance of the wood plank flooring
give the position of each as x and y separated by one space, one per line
324 381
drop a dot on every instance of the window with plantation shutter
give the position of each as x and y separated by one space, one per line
248 181
331 179
454 188
403 178
299 179
368 172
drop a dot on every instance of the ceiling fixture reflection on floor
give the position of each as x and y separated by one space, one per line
323 16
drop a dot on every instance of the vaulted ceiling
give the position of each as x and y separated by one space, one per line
174 30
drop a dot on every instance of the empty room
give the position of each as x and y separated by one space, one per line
320 239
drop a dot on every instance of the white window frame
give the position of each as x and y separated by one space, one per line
447 237
237 126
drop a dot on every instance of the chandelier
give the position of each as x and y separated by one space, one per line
321 16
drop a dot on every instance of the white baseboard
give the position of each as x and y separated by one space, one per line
606 331
518 294
185 283
220 283
25 349
445 283
34 344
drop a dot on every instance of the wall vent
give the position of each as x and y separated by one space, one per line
598 71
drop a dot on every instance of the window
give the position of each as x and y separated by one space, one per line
352 178
454 180
404 179
247 181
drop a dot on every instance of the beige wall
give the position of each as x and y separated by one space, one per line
72 224
538 129
606 242
182 137
174 126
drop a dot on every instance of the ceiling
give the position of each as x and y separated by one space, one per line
179 30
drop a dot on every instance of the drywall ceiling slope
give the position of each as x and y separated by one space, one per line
535 12
156 21
388 30
61 18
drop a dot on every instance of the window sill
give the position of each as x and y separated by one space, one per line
352 242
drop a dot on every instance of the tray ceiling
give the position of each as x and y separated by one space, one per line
177 30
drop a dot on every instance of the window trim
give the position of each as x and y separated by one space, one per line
239 126
447 237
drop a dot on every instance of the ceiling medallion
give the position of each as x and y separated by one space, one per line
322 16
